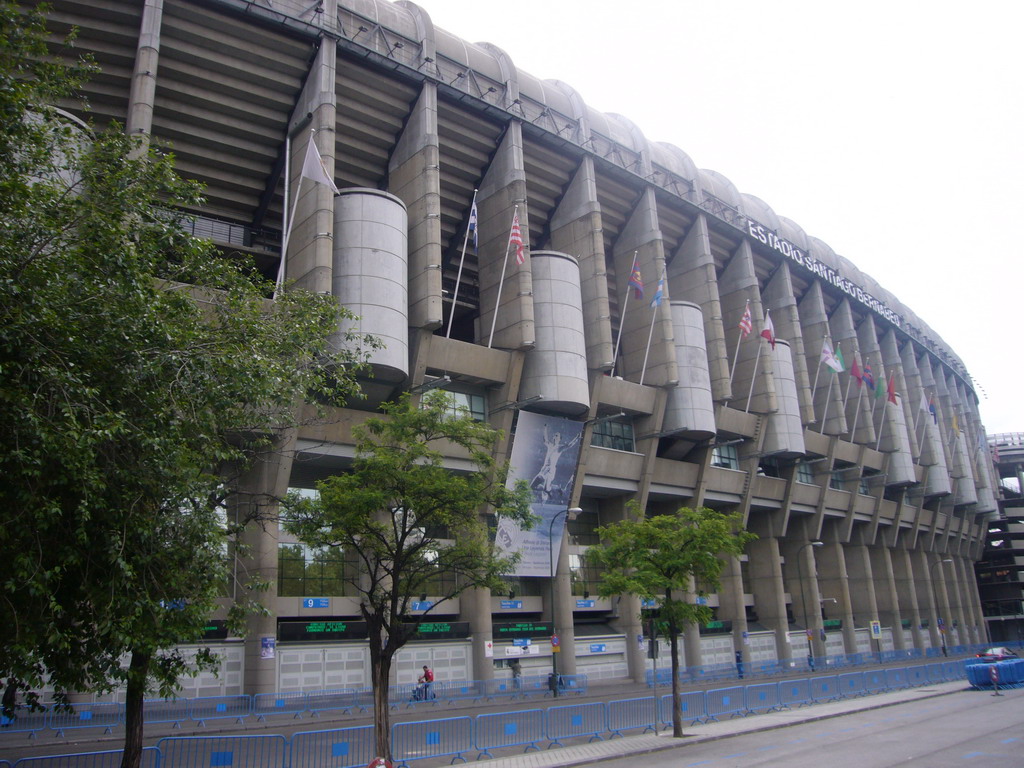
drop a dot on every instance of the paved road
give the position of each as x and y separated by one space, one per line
966 728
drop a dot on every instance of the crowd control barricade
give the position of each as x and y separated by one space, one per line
342 700
173 711
825 688
692 706
935 672
499 689
362 699
469 690
110 758
575 685
896 678
264 751
851 685
762 697
534 685
917 675
875 682
725 701
953 670
711 673
105 715
796 692
219 708
411 695
26 721
764 669
451 736
339 748
264 704
524 728
629 714
575 720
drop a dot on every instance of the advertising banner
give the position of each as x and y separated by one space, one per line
544 454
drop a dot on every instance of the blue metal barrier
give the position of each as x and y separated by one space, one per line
851 685
762 697
413 694
524 728
219 708
105 715
875 682
339 748
795 692
534 685
575 720
471 690
451 736
725 701
25 721
629 714
501 689
824 688
896 678
952 670
917 675
106 759
693 705
165 711
342 700
264 751
765 669
264 704
572 684
935 673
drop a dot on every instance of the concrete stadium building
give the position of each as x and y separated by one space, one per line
870 511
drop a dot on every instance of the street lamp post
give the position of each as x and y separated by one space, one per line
570 514
931 578
803 598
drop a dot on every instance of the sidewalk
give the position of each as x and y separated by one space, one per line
608 749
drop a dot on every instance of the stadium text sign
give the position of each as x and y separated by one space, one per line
764 235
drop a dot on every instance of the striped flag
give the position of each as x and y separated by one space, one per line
746 322
659 293
516 239
473 225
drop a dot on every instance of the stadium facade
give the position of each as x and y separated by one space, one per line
870 502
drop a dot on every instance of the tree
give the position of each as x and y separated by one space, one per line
140 372
668 558
413 524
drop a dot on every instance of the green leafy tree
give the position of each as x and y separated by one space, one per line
413 524
662 558
141 372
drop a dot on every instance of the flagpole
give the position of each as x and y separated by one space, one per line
828 399
622 320
735 359
753 378
458 276
817 373
501 282
650 335
856 413
881 425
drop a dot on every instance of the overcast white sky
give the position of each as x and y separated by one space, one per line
889 130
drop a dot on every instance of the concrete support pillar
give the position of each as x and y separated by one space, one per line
925 577
731 605
475 607
769 591
906 589
887 596
834 584
863 598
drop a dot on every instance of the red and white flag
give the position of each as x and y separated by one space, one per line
769 328
746 322
516 239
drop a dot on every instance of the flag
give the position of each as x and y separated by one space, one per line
636 280
956 424
769 328
473 225
868 377
659 292
891 389
840 359
313 167
516 239
855 372
880 387
932 411
828 357
746 322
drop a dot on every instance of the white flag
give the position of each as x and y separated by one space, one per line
828 357
313 167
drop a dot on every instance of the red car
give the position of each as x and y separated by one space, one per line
997 654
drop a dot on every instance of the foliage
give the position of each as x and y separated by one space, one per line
669 558
413 524
140 371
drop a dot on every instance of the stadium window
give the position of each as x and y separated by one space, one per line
804 473
862 487
616 434
304 571
468 402
725 456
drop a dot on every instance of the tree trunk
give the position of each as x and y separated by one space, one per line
381 713
677 711
135 696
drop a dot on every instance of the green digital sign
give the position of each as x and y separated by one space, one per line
320 630
435 630
521 629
